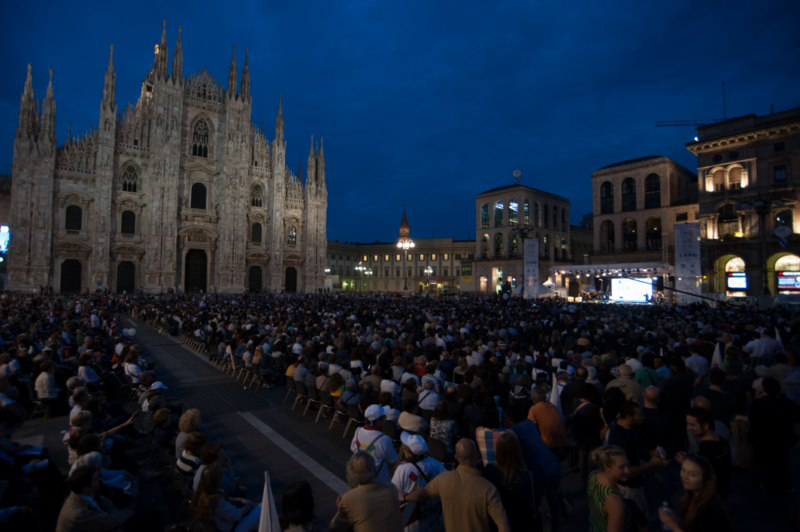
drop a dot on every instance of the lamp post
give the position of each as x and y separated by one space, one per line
360 269
428 272
404 243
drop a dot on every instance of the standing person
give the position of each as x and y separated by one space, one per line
45 386
370 506
772 419
414 471
469 501
606 504
370 438
515 484
548 419
298 508
625 433
587 426
700 424
703 509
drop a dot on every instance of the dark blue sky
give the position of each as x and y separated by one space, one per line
425 104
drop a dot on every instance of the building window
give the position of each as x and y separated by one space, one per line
375 258
485 245
421 256
607 236
717 181
386 258
200 139
74 218
628 195
397 272
607 198
513 212
512 245
446 256
537 213
498 244
410 272
629 235
433 256
779 176
555 217
783 219
546 216
198 196
386 272
446 272
130 179
128 223
485 216
653 233
498 213
736 180
681 216
397 257
255 233
257 199
526 213
292 235
652 192
727 220
365 259
545 247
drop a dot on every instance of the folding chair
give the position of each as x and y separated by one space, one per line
354 417
325 404
313 399
302 394
290 389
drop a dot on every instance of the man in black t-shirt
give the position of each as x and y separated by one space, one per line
700 424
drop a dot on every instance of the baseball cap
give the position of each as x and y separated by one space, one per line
414 442
375 412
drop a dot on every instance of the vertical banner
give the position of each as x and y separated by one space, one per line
531 267
687 261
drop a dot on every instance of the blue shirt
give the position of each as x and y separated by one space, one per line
539 459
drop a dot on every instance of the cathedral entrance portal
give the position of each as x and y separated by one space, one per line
70 276
196 271
291 280
255 279
126 277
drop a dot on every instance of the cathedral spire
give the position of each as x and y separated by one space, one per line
177 59
160 65
244 92
27 108
279 120
110 83
232 76
48 132
300 170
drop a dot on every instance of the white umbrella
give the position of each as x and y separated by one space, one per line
555 397
269 514
716 359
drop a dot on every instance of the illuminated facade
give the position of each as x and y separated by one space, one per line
749 204
179 192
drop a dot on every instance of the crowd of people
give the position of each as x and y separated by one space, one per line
469 411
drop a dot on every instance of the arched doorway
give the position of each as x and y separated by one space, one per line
255 279
196 271
126 277
290 286
731 275
784 270
71 276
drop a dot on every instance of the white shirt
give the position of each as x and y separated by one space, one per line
133 371
698 364
409 476
390 386
428 400
380 446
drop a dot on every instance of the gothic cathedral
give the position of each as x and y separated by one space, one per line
181 192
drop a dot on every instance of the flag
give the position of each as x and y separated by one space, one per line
269 514
555 398
716 360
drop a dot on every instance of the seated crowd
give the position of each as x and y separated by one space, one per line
468 411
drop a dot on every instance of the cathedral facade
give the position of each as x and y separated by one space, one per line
179 192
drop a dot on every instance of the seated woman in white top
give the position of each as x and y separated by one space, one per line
213 509
131 369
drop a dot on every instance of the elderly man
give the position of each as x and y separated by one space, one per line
370 506
371 439
84 509
469 501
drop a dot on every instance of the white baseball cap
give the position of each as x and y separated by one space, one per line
375 412
414 442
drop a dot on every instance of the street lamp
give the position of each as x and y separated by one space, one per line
428 272
360 269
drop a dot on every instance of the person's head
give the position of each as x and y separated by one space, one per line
410 405
701 401
162 418
414 447
298 503
440 412
508 454
360 469
48 366
630 414
194 443
467 453
375 415
699 484
771 387
625 371
85 480
612 462
81 396
189 421
538 395
87 444
716 377
386 399
699 422
211 453
652 395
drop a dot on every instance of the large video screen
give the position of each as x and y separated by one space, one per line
789 282
5 233
631 290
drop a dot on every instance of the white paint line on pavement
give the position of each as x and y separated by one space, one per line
329 479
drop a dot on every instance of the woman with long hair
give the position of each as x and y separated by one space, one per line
514 482
213 510
702 507
606 505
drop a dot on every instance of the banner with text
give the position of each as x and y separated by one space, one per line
531 267
688 272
